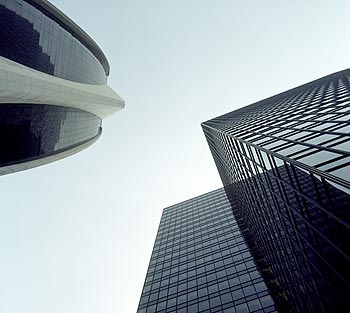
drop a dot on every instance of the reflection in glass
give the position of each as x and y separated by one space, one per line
30 131
31 38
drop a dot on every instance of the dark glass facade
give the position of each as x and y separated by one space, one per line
202 263
32 38
31 131
285 163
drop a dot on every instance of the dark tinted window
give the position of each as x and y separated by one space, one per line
31 38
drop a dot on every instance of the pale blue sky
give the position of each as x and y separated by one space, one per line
76 235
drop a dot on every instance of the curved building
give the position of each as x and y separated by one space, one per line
53 91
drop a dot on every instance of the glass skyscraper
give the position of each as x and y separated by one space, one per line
202 263
282 220
285 162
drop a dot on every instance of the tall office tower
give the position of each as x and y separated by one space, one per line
53 92
201 263
285 163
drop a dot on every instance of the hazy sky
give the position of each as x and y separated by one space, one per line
76 235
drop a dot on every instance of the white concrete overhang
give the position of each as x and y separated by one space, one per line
21 84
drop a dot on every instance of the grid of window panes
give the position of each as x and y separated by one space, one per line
29 131
201 263
296 211
33 39
310 124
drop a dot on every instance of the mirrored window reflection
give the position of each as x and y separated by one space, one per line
342 171
31 38
29 131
